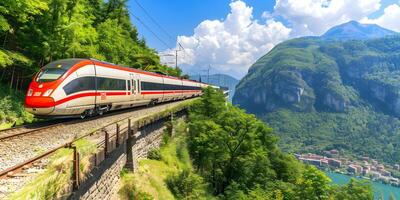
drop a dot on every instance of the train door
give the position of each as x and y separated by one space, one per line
135 90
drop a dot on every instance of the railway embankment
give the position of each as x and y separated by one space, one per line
87 154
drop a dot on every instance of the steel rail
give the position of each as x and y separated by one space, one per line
19 166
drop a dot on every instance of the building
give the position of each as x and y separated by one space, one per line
334 151
315 162
385 173
352 169
334 163
365 171
375 174
365 158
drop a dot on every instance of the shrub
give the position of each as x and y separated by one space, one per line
154 154
186 185
129 189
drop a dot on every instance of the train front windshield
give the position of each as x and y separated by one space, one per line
55 70
50 74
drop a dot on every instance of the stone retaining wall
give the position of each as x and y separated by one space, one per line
103 181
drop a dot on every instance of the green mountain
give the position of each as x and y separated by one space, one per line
355 30
323 94
219 80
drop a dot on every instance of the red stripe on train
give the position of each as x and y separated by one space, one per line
45 102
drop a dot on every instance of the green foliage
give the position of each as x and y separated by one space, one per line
12 111
154 154
50 183
354 190
313 185
238 156
129 189
360 131
174 171
186 185
392 197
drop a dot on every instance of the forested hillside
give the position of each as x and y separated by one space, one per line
36 32
323 94
224 153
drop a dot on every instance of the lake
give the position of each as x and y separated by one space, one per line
379 188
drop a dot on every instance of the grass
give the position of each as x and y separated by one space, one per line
55 179
151 175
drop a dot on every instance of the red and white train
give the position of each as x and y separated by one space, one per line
87 87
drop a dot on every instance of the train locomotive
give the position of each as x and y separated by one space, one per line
88 87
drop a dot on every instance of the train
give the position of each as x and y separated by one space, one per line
87 87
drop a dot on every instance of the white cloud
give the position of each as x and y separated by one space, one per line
314 17
233 44
389 19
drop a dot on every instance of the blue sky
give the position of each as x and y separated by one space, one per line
233 34
180 17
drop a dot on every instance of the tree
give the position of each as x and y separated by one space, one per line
354 190
391 197
313 185
238 156
229 146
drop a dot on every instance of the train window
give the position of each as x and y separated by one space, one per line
151 86
160 86
50 74
79 85
129 85
110 84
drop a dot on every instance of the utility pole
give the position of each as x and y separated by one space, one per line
176 58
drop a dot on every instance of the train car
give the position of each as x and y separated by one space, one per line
87 87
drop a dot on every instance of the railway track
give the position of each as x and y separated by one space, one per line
21 149
23 130
19 131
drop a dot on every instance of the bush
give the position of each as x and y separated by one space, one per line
154 154
129 189
186 185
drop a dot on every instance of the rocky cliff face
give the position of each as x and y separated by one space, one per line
313 74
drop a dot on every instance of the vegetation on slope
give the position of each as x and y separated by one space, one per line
12 111
56 177
167 173
359 132
228 154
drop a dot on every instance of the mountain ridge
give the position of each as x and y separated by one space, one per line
321 94
356 30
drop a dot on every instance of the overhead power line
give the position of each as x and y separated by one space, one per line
156 23
149 29
153 20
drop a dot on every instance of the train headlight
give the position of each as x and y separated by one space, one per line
47 93
30 92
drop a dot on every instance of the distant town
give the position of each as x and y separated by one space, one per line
363 167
